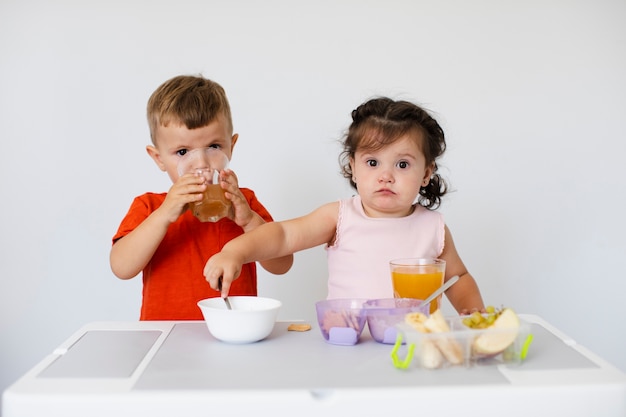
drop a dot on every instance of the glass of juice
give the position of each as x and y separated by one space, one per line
207 163
417 278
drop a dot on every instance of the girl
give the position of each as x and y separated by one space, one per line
389 155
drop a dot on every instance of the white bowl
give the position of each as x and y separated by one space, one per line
251 319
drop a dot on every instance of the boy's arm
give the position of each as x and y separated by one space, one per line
278 266
464 295
131 253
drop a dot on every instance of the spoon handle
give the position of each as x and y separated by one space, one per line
441 289
219 288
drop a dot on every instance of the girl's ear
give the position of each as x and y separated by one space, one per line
428 172
156 156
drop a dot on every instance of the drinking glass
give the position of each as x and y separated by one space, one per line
207 163
417 278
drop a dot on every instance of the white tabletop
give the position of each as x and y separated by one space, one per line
178 368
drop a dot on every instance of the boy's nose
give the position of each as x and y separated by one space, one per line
203 160
200 159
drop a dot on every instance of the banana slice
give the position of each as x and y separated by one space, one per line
416 320
451 349
433 351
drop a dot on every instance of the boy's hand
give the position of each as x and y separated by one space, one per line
187 189
226 265
242 214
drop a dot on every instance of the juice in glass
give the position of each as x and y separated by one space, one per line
214 204
417 278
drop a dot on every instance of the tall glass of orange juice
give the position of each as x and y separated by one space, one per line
417 278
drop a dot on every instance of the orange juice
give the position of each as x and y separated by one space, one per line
417 280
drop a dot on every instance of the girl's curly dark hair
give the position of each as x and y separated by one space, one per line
380 122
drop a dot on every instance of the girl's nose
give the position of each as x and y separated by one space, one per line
385 177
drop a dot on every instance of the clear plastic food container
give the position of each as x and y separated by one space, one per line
461 346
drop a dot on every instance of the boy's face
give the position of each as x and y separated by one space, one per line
175 140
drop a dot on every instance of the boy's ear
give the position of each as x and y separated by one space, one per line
233 141
156 156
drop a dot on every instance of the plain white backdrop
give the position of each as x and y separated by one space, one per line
531 95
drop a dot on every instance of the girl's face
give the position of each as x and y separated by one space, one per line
389 179
174 140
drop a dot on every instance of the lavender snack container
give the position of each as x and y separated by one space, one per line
385 313
341 320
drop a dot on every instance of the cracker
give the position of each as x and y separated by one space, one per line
299 327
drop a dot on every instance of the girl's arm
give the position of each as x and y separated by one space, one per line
464 295
279 265
270 241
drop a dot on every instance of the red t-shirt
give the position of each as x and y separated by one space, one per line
173 280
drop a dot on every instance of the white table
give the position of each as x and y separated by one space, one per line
179 369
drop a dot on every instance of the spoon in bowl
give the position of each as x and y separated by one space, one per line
450 282
219 288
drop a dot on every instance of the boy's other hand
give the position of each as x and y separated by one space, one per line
242 214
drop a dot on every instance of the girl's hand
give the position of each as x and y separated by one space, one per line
466 312
187 189
224 265
241 214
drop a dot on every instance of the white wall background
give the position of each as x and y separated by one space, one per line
532 96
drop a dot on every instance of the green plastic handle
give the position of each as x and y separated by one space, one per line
525 346
401 364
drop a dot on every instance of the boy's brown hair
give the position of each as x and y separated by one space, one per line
193 101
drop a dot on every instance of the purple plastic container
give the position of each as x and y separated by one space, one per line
384 313
341 320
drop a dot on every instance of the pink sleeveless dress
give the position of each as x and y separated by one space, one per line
358 261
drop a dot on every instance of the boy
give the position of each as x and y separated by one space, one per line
159 235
